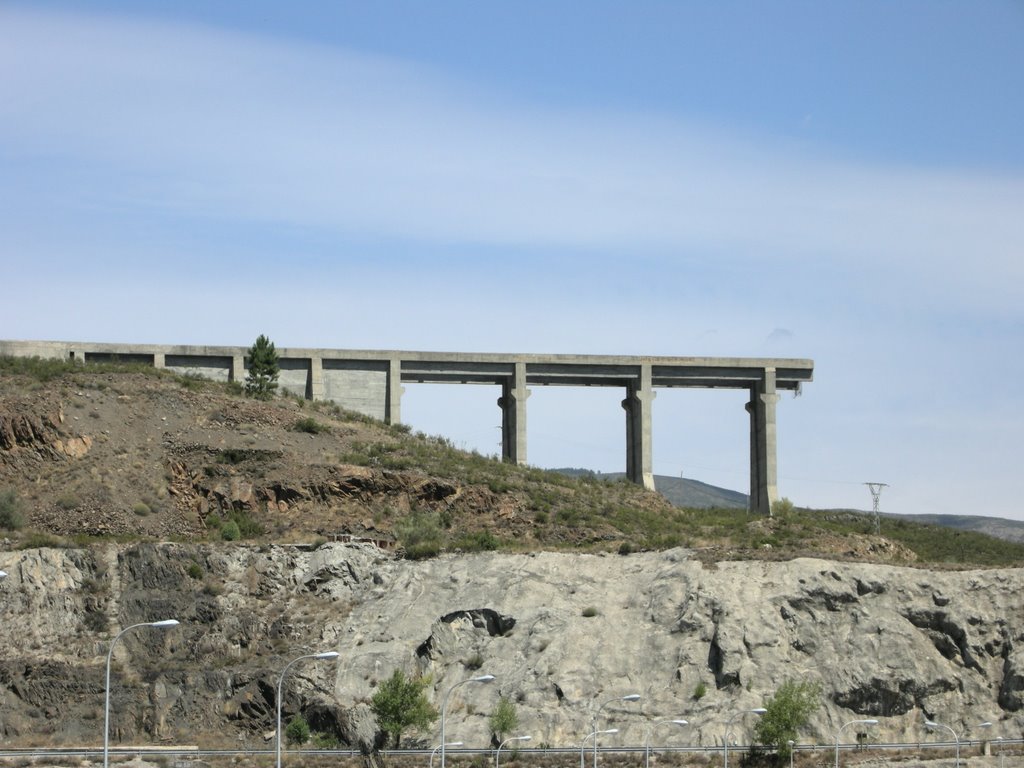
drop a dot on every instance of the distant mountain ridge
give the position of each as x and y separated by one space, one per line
684 492
681 492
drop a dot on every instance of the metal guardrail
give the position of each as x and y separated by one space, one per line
524 752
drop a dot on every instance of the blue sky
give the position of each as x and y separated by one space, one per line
838 181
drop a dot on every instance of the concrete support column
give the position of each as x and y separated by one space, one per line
159 360
763 471
238 368
315 388
393 396
513 416
639 399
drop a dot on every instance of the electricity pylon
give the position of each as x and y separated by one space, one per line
876 492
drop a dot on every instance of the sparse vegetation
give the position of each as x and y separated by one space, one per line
229 531
11 518
589 612
504 719
420 535
400 703
310 426
540 509
787 712
296 733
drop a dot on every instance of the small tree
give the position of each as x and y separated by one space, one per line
401 703
263 369
504 719
297 731
787 712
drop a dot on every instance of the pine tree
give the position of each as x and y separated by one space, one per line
263 369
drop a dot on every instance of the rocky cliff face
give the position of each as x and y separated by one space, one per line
562 633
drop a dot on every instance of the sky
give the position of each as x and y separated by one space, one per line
837 181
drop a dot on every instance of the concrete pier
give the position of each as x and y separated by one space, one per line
371 382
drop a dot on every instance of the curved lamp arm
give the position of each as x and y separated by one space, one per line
162 624
280 686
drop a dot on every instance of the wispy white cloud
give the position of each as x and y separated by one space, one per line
205 123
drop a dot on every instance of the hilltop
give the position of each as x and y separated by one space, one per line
273 529
128 452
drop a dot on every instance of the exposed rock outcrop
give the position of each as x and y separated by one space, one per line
560 632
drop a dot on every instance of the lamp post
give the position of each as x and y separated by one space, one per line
790 743
442 746
650 732
444 704
595 735
506 741
728 726
597 712
931 725
163 624
1000 740
870 721
280 686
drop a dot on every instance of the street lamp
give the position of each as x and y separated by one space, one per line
931 725
790 743
595 735
870 721
597 712
163 624
3 575
650 732
444 704
728 726
441 747
506 741
1000 740
280 685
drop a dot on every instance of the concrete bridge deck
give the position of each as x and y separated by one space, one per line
370 382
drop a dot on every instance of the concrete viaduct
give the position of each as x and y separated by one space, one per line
370 382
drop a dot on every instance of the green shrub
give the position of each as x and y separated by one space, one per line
11 518
194 570
401 703
700 691
297 731
310 426
141 508
478 541
787 712
474 662
229 531
504 719
420 536
322 740
232 456
589 612
67 501
783 508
